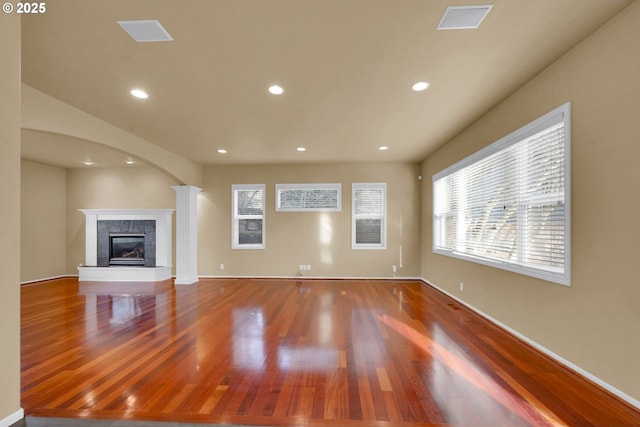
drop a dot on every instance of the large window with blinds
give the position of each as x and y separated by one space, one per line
508 205
369 216
247 216
308 197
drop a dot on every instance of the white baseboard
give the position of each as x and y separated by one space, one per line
210 276
312 277
44 279
13 418
622 395
185 280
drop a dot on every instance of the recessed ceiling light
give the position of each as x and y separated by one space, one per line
139 93
276 90
420 86
88 162
222 151
301 149
383 148
130 162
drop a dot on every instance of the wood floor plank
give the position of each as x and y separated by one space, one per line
278 352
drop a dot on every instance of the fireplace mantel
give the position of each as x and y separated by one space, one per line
90 271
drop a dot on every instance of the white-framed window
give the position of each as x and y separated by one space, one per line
248 222
308 197
369 216
509 205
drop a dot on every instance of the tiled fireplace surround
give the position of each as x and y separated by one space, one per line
146 227
154 223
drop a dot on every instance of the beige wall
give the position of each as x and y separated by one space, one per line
115 188
43 228
10 215
321 239
593 323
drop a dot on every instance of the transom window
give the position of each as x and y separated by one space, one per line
308 197
248 216
508 205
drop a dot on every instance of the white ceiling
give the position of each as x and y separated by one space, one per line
347 67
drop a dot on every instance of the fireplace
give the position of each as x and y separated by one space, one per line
113 238
126 249
126 243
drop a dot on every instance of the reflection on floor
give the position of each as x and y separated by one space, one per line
280 352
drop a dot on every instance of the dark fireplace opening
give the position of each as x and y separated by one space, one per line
126 249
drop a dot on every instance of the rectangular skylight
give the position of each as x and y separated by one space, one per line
463 17
146 31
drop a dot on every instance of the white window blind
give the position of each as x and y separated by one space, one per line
508 205
308 197
368 216
248 216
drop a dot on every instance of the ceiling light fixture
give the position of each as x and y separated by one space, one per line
88 162
222 151
139 93
383 148
301 149
420 86
130 161
276 90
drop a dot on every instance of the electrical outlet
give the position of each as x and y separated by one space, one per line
221 266
462 286
302 267
394 268
308 267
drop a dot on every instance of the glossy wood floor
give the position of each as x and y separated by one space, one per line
289 353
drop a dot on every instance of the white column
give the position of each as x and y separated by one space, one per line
91 238
163 238
186 234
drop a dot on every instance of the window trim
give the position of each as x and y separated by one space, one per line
530 129
328 186
383 224
235 218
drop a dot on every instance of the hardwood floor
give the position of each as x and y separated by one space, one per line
272 352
